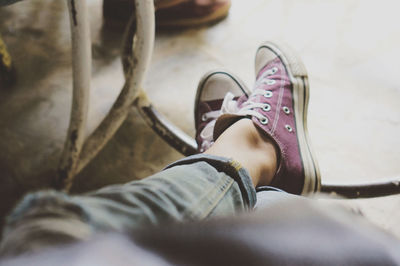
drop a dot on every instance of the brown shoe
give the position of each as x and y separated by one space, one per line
169 13
192 14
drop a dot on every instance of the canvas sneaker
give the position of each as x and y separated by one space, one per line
219 92
278 106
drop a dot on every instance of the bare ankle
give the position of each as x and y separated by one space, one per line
243 142
265 152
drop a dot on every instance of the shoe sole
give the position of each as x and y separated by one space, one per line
299 78
208 20
207 76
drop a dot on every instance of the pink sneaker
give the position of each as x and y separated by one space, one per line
278 106
219 92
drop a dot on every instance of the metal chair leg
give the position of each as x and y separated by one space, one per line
76 154
81 65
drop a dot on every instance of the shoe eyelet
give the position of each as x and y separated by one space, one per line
288 128
286 110
274 70
266 107
204 117
271 82
263 120
268 94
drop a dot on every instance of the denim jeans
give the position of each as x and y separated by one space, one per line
195 188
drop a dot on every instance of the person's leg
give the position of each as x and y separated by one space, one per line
194 188
197 187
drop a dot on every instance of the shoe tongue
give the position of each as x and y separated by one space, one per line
241 100
212 105
229 105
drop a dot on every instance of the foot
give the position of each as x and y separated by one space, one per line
218 92
278 107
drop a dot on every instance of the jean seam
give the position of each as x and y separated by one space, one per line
248 193
217 195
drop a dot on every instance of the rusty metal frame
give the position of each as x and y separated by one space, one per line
81 65
77 154
139 41
160 124
364 190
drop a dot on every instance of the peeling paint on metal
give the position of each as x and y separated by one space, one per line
74 12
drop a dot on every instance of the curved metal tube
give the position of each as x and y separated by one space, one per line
137 67
364 190
81 65
160 124
165 129
75 156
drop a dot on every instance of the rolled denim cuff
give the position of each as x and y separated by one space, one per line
229 166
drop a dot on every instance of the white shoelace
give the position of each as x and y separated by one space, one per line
248 108
229 106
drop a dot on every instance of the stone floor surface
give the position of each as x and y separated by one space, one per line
350 48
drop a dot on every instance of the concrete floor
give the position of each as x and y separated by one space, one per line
350 48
